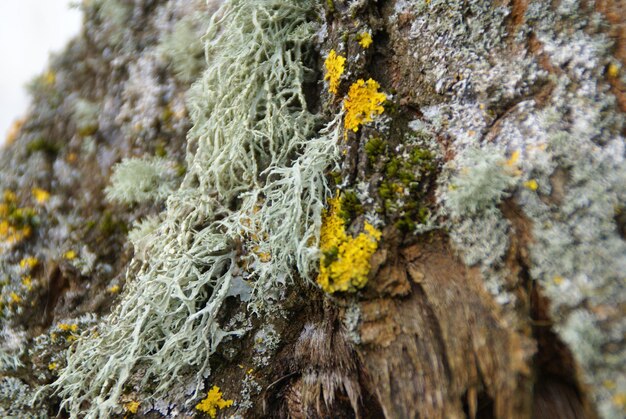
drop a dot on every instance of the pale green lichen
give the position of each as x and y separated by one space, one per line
142 180
570 185
184 49
255 176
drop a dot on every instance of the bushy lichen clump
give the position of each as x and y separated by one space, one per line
141 180
345 261
254 192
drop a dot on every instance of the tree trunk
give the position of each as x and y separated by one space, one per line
392 208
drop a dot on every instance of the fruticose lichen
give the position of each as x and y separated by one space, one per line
142 180
256 162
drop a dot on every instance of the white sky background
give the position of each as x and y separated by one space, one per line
29 31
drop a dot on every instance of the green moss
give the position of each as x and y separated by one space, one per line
407 179
422 157
350 206
109 224
336 177
43 145
160 149
392 168
374 148
385 191
330 5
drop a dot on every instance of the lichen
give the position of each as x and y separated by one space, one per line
335 65
213 401
142 180
363 102
345 261
365 39
16 222
256 167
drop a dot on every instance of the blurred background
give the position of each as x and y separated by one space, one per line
29 31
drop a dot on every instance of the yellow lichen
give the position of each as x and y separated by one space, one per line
49 77
345 261
67 327
132 406
613 70
69 255
27 282
531 184
512 161
53 366
365 39
364 101
114 289
29 262
619 400
14 131
15 222
334 69
9 196
15 299
40 195
213 401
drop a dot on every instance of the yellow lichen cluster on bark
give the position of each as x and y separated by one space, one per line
213 401
345 261
365 40
15 222
363 102
334 65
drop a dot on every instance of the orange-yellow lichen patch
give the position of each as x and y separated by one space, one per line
512 161
213 401
114 289
64 327
334 65
14 131
345 261
612 70
364 101
365 39
49 77
132 406
531 184
29 262
14 298
70 255
53 366
27 282
40 195
15 222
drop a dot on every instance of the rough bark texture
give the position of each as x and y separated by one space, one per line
495 174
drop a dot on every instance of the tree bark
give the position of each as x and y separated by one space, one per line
495 174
